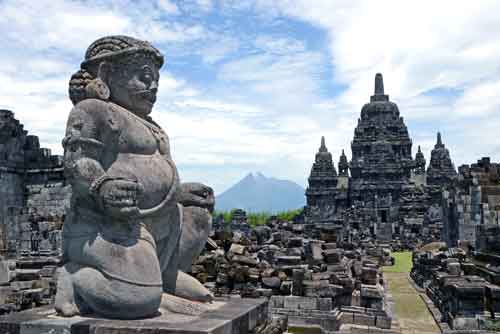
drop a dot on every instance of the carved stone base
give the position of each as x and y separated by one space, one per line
238 316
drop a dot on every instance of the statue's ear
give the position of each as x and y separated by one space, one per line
104 72
98 88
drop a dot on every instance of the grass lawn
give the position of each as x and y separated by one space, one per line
413 315
402 263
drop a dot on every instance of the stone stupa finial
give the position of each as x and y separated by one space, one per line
379 84
379 94
343 165
439 141
323 148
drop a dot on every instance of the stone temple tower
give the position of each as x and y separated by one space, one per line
323 178
419 162
343 165
441 169
381 150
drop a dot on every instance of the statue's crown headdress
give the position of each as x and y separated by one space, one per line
118 46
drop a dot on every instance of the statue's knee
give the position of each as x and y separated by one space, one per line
115 299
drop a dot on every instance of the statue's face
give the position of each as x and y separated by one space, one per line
134 84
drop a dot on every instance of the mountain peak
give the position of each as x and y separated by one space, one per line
259 175
258 193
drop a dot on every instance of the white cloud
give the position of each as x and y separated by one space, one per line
419 47
206 5
479 99
168 6
279 45
260 102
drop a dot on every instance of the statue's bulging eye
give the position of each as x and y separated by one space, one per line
146 78
147 75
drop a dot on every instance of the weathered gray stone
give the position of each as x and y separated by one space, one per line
277 301
304 303
237 249
271 282
7 271
240 316
132 227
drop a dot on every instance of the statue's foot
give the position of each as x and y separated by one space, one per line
190 288
65 304
67 309
174 304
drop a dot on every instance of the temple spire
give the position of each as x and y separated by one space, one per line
419 162
439 141
323 148
343 165
379 94
379 84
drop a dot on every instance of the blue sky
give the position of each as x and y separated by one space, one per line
253 85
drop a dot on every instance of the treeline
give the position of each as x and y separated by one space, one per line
260 218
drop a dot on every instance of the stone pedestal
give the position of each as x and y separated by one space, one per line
231 316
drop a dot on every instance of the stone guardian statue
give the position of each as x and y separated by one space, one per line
132 226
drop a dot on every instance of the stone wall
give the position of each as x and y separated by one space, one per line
49 197
33 191
11 195
472 204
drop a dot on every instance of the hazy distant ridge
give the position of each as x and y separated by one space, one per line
258 193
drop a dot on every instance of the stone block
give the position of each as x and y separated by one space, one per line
371 291
295 251
303 303
315 253
465 323
246 260
295 242
453 268
383 322
364 319
288 260
237 249
48 271
277 302
346 317
22 285
271 282
28 274
286 287
325 304
332 256
7 271
298 278
238 316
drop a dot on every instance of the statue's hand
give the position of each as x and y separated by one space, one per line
197 194
119 198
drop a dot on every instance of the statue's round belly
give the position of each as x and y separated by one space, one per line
153 172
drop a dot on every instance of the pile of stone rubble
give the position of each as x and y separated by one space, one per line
459 293
309 278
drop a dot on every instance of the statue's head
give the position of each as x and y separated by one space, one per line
120 69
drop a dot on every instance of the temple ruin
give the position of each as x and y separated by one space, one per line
383 192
